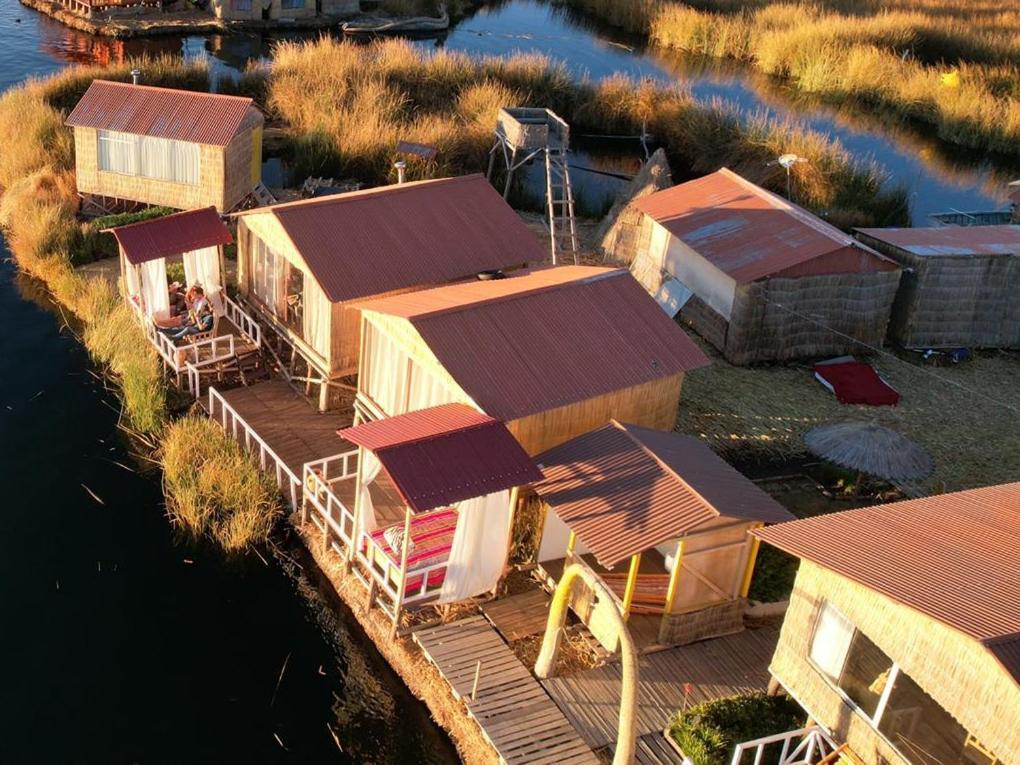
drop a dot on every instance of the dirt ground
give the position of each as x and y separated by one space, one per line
967 416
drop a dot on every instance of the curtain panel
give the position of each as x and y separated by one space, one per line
161 158
479 547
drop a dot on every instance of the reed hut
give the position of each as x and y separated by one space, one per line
758 277
902 636
663 521
552 352
161 146
302 265
959 286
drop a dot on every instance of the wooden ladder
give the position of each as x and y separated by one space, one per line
560 201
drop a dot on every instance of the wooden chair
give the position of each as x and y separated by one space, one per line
215 298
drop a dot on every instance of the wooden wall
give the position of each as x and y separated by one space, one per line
959 673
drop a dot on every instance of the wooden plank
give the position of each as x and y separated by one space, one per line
519 616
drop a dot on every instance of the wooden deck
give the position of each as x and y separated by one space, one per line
516 716
519 616
653 749
288 423
712 669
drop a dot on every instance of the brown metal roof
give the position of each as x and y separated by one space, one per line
750 233
953 557
625 489
950 240
546 338
445 454
171 235
184 115
423 233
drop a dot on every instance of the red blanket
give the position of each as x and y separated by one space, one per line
432 535
854 382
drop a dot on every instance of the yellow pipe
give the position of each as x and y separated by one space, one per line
752 556
628 594
674 577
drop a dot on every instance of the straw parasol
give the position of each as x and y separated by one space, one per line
872 449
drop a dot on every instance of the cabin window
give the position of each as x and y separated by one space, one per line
160 158
292 4
295 300
911 720
267 274
241 5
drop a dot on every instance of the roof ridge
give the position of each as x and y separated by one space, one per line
178 214
204 93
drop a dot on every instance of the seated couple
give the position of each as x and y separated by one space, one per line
190 314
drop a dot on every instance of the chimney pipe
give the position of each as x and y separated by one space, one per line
135 75
401 166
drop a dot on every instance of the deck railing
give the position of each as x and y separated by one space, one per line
393 579
243 321
809 745
235 426
330 511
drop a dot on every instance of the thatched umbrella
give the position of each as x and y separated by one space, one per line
872 449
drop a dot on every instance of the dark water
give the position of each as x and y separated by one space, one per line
939 177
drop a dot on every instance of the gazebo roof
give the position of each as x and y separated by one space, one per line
171 235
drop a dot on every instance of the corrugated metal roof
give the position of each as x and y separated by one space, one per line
950 240
184 115
625 489
546 338
750 233
423 233
953 557
171 235
445 454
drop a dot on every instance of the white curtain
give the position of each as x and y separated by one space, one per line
831 641
425 389
317 317
155 297
387 372
131 284
479 547
370 467
203 267
267 275
161 158
118 152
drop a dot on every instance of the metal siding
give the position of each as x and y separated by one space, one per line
172 235
746 231
625 489
414 234
183 115
950 240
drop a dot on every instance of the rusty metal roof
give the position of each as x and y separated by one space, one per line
184 115
950 240
624 489
953 557
750 233
546 338
171 235
445 454
422 233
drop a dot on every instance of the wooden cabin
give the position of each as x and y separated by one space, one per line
552 352
196 238
663 521
959 285
302 265
755 275
424 505
161 146
275 10
902 638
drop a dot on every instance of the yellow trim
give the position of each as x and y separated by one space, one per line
674 577
628 594
752 556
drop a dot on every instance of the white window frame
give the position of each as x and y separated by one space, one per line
138 170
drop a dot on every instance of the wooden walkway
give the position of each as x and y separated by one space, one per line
710 669
516 716
288 423
653 749
519 616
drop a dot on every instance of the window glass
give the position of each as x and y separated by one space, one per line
160 158
292 4
295 299
865 673
833 633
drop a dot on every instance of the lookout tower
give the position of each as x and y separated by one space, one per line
522 134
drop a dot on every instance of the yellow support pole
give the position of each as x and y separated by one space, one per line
628 594
674 577
571 543
752 556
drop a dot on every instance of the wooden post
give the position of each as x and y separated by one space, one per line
752 556
514 500
509 172
402 580
478 676
571 544
323 391
355 528
674 578
632 576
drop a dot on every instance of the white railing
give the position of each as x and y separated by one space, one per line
248 326
234 426
319 477
812 745
391 577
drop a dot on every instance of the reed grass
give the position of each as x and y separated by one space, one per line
347 106
212 487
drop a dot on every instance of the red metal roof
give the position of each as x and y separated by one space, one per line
445 454
423 233
171 235
625 489
184 115
750 233
950 240
546 338
953 557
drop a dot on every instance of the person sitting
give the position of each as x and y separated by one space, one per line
199 319
178 302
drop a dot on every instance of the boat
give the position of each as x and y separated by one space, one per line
414 24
